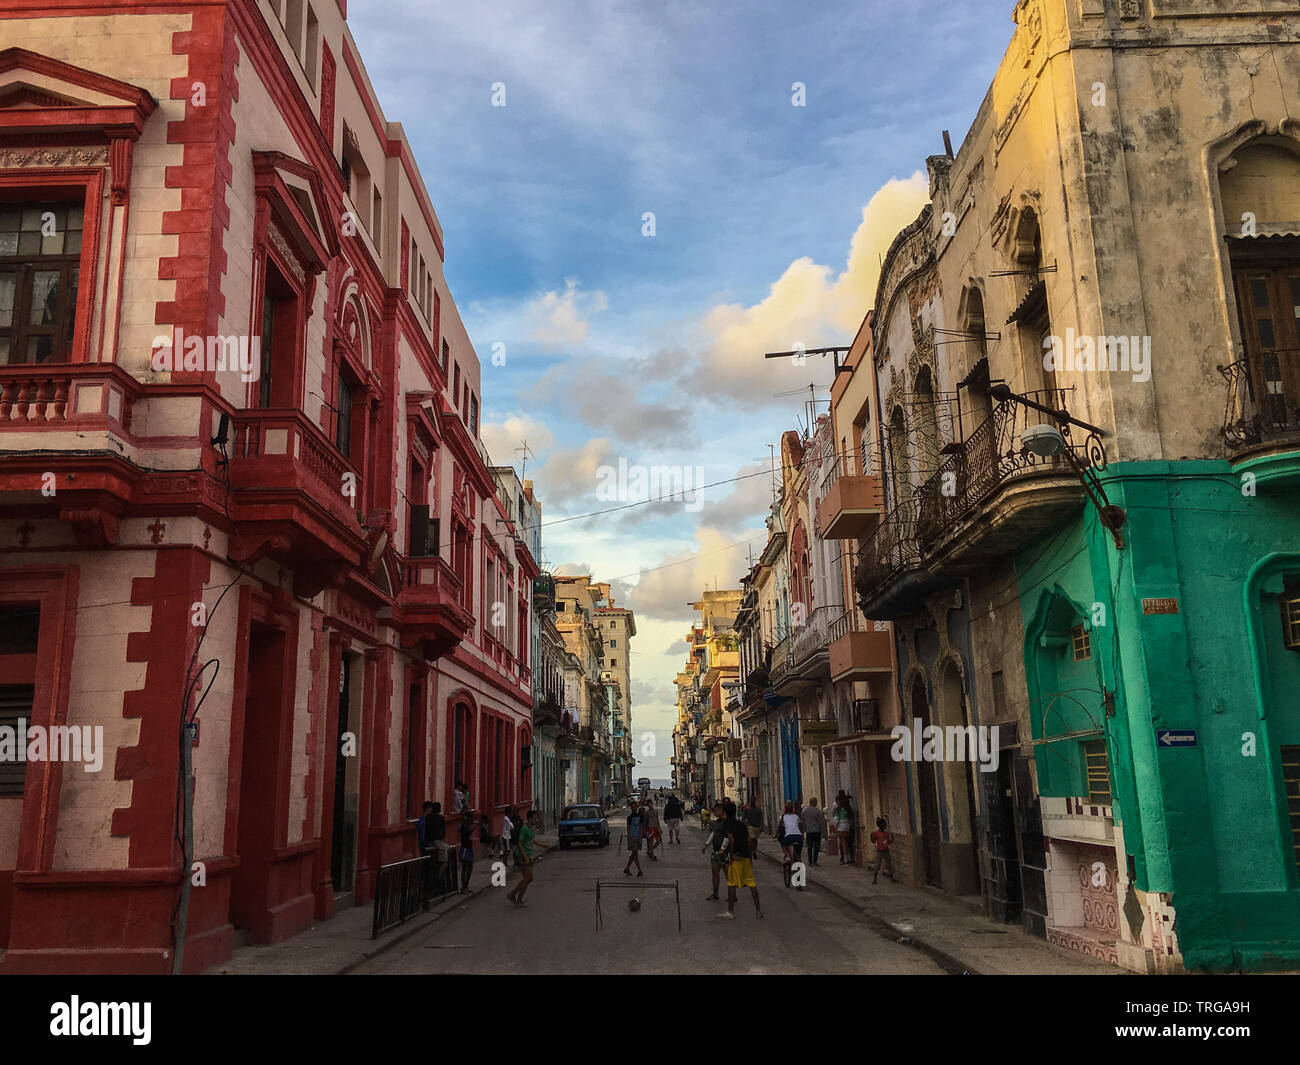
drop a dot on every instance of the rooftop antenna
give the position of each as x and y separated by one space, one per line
524 450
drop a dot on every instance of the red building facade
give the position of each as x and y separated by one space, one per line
240 484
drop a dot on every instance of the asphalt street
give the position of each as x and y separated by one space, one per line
802 932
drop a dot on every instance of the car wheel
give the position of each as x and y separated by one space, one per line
564 844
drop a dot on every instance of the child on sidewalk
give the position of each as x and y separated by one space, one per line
882 838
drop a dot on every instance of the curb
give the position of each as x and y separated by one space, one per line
402 934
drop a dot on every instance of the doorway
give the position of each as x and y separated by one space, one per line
343 835
255 839
1005 898
959 780
927 784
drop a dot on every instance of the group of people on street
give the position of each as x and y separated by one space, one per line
643 829
513 845
799 826
732 848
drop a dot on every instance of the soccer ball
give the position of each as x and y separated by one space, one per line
633 904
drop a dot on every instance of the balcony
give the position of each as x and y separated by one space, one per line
986 499
84 411
782 659
289 494
853 505
429 610
1263 409
860 654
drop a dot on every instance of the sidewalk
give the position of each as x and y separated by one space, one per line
339 945
958 938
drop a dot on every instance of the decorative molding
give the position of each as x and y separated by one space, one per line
287 253
120 168
20 158
92 526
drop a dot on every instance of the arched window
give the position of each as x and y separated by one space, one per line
927 426
898 465
1031 317
977 406
1260 192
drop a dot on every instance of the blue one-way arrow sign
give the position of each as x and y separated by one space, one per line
1176 737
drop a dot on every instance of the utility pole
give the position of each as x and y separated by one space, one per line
187 845
527 454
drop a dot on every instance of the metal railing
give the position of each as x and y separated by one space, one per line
815 635
403 889
782 658
840 626
1263 397
987 458
893 547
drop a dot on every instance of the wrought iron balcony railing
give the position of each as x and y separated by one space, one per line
815 635
782 658
974 468
893 548
1263 398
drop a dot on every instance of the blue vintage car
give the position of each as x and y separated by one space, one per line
583 824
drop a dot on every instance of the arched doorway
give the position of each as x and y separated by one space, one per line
959 779
928 794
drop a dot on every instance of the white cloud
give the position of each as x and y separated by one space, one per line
569 476
667 590
559 319
807 305
501 438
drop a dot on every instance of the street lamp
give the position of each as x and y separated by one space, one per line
1047 441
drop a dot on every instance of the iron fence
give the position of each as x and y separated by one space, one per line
1263 397
988 457
403 889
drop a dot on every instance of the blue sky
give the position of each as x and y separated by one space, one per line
769 222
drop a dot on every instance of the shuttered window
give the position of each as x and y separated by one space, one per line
15 702
1291 781
1098 767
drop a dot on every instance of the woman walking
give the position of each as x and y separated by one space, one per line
791 839
843 821
467 825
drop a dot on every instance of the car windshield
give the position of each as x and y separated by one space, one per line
582 813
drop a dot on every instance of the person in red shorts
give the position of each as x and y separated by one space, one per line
882 838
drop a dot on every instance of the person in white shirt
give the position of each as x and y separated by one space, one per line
507 828
791 832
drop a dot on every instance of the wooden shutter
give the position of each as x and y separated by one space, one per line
418 546
16 702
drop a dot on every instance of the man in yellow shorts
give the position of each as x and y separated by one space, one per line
740 870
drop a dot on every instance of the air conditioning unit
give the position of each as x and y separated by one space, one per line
866 715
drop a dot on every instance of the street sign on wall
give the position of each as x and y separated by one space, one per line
817 733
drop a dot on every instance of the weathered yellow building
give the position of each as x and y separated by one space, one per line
1086 359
